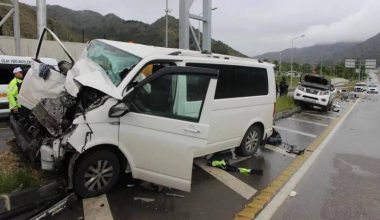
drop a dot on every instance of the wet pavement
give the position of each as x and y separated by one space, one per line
343 183
209 198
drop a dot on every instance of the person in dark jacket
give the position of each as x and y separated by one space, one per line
283 87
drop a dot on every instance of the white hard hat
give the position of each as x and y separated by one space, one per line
17 69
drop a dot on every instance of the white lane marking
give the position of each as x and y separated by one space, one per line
306 121
323 116
232 182
279 150
295 131
97 208
280 197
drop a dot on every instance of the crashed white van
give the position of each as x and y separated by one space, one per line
125 107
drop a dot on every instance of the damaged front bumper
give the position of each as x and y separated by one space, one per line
50 151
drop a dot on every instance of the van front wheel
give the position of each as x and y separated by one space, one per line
96 173
251 141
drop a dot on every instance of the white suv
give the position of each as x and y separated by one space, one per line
360 87
142 109
372 88
315 90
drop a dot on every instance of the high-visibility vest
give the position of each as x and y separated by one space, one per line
13 88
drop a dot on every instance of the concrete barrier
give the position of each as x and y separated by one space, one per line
49 48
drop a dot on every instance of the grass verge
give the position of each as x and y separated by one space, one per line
17 173
285 103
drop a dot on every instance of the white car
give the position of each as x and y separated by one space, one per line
360 87
315 90
142 109
372 88
7 64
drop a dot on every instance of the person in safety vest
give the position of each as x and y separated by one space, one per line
13 89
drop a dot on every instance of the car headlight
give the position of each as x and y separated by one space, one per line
301 88
325 93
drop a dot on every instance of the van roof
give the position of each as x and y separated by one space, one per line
143 51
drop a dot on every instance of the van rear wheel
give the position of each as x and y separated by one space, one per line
96 173
251 141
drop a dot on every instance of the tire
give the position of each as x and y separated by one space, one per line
88 182
304 106
251 141
327 108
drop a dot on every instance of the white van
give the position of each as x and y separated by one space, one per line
145 110
7 64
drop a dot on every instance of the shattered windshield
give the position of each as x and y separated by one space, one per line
115 62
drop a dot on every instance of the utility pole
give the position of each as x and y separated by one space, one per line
279 66
16 28
185 26
360 70
41 17
166 25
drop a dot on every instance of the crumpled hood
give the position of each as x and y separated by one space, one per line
87 73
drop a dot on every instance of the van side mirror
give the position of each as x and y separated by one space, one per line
118 110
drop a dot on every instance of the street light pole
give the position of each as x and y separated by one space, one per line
291 57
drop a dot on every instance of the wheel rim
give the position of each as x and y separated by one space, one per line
251 141
98 175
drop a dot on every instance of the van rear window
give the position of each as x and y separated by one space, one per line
238 81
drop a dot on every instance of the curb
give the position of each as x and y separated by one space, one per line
20 202
285 114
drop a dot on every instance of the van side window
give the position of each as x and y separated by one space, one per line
148 70
167 97
238 81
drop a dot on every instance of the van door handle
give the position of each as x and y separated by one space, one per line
191 130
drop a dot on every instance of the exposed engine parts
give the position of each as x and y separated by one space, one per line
52 113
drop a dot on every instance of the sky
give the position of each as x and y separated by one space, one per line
257 26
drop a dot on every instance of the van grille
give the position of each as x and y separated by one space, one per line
312 91
309 97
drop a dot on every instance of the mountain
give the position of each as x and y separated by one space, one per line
82 26
28 23
312 55
369 49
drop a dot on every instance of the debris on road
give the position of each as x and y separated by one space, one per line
293 193
275 139
144 199
224 165
174 195
336 107
293 149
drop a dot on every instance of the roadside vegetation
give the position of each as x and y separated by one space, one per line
18 173
285 103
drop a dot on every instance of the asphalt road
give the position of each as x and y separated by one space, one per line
343 183
215 194
210 197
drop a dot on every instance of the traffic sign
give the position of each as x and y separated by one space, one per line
370 64
350 63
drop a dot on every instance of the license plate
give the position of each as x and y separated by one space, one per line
310 100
